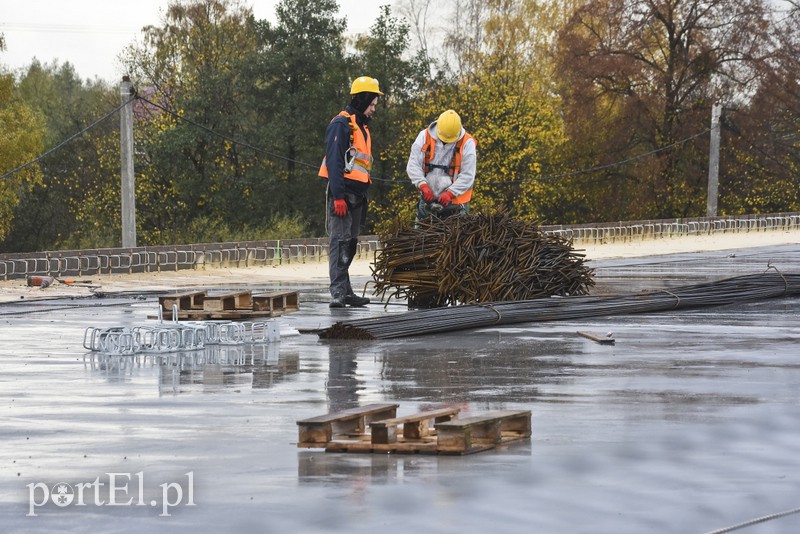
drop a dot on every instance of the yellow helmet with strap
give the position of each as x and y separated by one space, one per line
365 84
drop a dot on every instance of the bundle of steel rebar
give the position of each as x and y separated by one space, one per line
477 258
739 289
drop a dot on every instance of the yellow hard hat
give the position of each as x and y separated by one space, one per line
365 84
448 126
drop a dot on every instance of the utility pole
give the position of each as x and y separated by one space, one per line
713 161
126 159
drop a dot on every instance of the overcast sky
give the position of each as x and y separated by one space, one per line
90 34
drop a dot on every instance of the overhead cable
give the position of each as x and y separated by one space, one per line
232 140
65 141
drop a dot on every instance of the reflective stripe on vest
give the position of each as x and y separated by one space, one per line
358 159
428 149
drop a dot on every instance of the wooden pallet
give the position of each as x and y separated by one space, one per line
414 434
483 432
192 300
350 424
279 302
234 305
235 300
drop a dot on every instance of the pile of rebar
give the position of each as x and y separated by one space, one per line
477 258
739 289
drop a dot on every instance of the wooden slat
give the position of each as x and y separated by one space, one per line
317 431
237 300
479 432
604 340
277 301
415 426
191 300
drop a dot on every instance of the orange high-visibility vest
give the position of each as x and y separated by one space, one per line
360 151
429 147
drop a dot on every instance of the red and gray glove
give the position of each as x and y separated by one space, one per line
446 198
340 207
427 194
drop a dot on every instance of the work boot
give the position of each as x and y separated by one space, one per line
337 302
355 300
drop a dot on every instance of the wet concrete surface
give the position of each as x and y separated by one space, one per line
689 423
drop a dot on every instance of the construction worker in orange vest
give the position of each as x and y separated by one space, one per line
347 166
442 166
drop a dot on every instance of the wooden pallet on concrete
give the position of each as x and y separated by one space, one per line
278 302
234 305
235 300
190 300
483 432
414 434
350 424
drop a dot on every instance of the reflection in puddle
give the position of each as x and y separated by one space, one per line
349 469
216 368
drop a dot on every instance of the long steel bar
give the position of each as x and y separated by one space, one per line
747 288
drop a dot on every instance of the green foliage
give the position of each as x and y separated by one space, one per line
204 230
230 122
509 110
79 181
190 68
384 54
300 77
21 141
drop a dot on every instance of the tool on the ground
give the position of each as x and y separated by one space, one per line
44 281
73 282
40 281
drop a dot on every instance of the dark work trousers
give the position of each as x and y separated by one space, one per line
344 232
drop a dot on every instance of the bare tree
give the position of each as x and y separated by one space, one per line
644 73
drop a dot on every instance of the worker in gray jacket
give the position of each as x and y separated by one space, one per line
442 166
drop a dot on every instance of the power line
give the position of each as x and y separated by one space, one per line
232 140
66 28
598 168
65 141
226 137
378 179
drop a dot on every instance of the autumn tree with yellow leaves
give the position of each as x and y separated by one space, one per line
20 143
504 96
583 111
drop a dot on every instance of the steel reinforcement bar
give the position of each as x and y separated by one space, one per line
257 253
748 288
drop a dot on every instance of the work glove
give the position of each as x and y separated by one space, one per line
427 194
445 198
340 207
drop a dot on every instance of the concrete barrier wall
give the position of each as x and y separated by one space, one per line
287 251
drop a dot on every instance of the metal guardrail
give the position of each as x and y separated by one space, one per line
172 258
259 253
669 228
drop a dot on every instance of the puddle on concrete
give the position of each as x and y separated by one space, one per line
688 423
209 370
